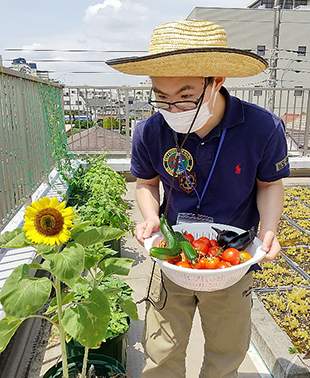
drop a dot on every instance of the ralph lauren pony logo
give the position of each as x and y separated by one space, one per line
238 169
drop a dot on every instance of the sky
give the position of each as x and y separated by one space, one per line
103 30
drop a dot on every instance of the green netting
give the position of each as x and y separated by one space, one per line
32 138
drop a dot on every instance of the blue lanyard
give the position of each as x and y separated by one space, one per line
210 174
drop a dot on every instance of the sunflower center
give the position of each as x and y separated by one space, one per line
49 222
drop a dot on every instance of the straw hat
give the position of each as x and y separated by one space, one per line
191 48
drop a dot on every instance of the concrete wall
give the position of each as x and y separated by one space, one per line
248 28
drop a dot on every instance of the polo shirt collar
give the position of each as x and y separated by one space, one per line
233 115
234 112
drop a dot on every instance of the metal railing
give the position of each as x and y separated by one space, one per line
292 105
90 111
103 118
30 109
40 119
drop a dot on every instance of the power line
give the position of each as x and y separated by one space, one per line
74 50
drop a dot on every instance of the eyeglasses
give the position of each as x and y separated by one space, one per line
182 105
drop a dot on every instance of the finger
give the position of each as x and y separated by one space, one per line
267 241
149 229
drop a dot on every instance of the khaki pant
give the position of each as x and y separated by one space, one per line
225 317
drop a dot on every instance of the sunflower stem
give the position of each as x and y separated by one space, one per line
85 359
62 336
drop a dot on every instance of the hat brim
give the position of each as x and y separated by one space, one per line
206 61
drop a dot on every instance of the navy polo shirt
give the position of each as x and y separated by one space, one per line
254 147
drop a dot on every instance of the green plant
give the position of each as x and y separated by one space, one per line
67 255
101 199
119 296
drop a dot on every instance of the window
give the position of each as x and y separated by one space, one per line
257 92
298 93
299 3
261 49
268 3
287 4
302 50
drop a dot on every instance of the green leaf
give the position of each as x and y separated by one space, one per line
116 265
68 264
18 241
65 299
45 250
88 321
9 235
130 308
98 234
22 295
109 291
78 228
91 261
35 266
8 327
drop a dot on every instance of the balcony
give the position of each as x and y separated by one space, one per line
46 128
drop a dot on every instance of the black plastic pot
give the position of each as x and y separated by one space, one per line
115 348
104 366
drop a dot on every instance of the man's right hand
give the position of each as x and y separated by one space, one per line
146 229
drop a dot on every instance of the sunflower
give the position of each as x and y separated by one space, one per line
47 221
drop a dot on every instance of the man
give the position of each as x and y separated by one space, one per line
231 158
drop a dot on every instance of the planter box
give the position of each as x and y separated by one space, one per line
273 345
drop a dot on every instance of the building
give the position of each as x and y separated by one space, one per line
21 65
277 30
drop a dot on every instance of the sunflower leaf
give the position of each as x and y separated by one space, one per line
116 265
130 308
68 264
19 240
8 327
22 295
78 228
98 234
88 321
45 250
65 299
9 235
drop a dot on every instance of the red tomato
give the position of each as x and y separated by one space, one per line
214 251
185 264
214 243
231 255
201 245
197 265
209 262
189 237
223 265
244 256
206 240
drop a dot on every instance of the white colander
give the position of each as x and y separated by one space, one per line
205 279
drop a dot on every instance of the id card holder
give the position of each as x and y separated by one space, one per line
191 218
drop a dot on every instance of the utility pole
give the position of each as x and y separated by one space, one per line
274 54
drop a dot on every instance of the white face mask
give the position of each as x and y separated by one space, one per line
181 121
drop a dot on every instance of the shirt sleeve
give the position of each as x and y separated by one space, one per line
141 162
274 164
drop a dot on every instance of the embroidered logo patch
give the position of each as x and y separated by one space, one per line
169 161
184 184
281 164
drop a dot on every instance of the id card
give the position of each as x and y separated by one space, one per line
190 218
